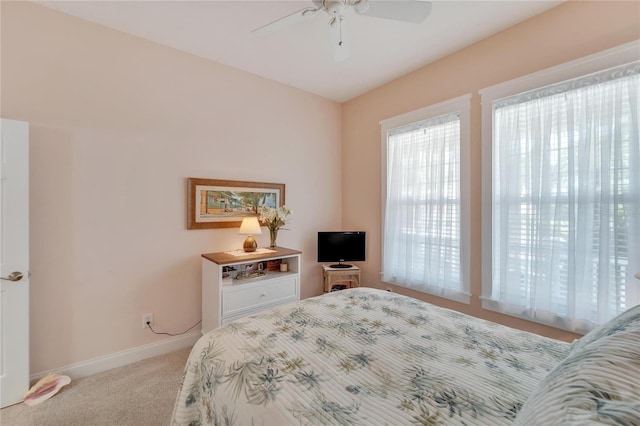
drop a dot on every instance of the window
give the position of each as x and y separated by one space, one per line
425 199
564 200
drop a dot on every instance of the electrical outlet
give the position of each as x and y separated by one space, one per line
147 318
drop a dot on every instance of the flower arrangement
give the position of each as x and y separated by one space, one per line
274 219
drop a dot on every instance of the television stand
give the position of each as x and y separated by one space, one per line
340 266
345 277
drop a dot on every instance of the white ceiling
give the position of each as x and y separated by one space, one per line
300 55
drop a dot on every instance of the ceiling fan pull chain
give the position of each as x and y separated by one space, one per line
340 42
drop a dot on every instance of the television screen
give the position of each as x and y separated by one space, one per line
343 246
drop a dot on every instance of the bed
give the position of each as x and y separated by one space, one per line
365 357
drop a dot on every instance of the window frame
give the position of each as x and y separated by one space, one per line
597 62
462 106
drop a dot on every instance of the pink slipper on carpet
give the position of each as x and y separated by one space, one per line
45 388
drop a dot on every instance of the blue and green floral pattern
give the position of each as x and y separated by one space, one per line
362 357
597 383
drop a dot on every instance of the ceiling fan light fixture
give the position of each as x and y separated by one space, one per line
334 7
415 11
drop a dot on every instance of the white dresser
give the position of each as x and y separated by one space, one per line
237 286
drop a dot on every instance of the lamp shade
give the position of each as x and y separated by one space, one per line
250 226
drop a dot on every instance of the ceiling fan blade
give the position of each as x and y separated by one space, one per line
339 39
284 22
400 10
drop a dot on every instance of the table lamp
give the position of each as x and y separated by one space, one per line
250 227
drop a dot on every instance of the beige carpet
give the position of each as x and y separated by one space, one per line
138 394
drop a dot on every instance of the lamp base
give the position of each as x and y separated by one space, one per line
250 244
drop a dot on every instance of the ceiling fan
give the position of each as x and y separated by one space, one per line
415 11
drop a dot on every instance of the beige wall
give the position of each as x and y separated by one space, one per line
569 31
117 124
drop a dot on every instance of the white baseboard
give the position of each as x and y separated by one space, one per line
118 359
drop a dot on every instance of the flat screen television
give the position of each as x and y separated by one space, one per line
341 246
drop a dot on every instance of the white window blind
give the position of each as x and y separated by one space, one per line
565 240
423 246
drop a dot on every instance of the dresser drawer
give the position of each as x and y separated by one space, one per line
247 297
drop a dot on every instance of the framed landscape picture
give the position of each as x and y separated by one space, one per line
214 203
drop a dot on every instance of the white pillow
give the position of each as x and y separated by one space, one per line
598 382
621 322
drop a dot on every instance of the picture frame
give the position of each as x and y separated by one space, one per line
218 203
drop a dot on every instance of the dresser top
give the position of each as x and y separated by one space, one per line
224 258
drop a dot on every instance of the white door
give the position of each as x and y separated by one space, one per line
14 261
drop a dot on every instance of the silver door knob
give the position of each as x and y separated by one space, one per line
14 276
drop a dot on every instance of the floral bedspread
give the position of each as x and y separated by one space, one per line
362 357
